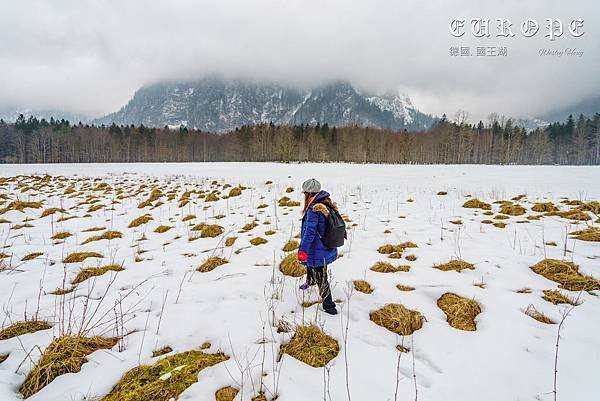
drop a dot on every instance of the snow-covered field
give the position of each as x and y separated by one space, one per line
160 299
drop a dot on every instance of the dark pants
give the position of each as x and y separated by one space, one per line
318 275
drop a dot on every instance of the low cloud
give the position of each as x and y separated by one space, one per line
90 57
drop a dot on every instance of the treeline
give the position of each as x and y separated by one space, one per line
500 141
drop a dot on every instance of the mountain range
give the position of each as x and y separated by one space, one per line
218 105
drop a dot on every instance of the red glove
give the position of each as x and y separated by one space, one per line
302 256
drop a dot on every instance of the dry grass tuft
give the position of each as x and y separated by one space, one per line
557 297
61 235
499 224
230 241
236 191
456 265
76 257
211 263
90 272
512 209
285 201
189 217
140 220
460 312
258 241
398 319
31 256
405 287
531 311
411 258
165 380
64 355
51 211
211 231
20 328
109 235
574 214
226 394
260 397
477 204
385 267
162 229
544 207
290 266
363 286
211 197
389 248
21 206
566 274
524 290
91 229
457 222
589 234
311 346
162 351
4 357
291 245
62 291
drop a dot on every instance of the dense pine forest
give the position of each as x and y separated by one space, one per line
500 141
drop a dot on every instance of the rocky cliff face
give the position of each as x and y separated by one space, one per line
219 105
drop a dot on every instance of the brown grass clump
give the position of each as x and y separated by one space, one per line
291 245
89 272
285 201
457 222
61 235
574 214
236 191
76 257
544 207
405 287
162 229
162 351
91 229
524 290
477 204
226 394
487 221
456 265
4 357
531 311
290 266
210 230
398 319
165 380
388 248
557 297
566 274
442 193
260 397
258 241
499 224
31 256
230 241
385 267
363 286
189 217
211 263
311 346
21 206
460 312
501 217
395 255
140 220
211 197
51 211
512 209
411 258
249 226
62 291
109 235
20 328
64 355
589 234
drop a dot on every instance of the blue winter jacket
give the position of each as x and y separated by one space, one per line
314 223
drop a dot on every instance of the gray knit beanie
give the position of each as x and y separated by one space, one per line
311 186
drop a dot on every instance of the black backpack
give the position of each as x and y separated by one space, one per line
335 232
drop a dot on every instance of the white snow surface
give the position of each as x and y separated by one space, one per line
509 357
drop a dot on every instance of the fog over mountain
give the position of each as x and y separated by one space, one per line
90 57
218 105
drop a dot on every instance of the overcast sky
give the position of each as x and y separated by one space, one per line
90 56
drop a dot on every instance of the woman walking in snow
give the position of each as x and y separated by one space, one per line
313 253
